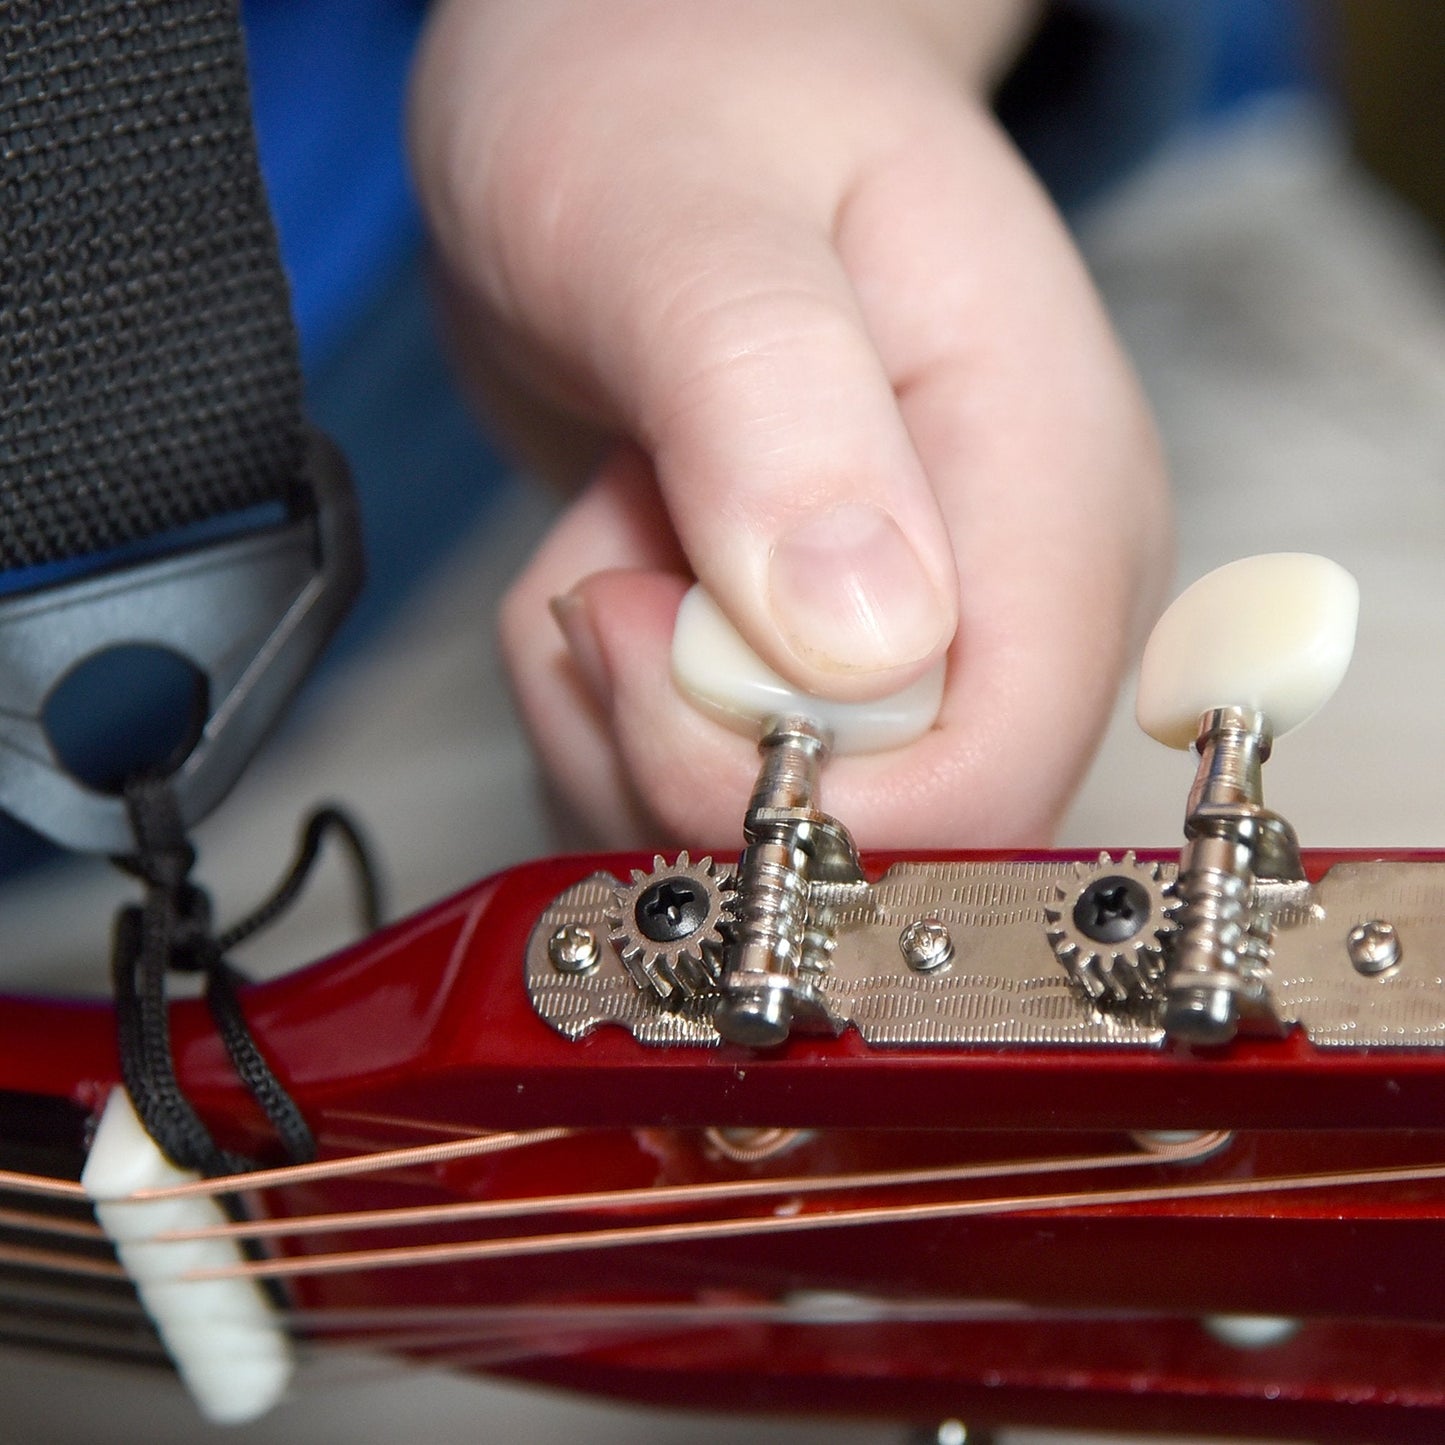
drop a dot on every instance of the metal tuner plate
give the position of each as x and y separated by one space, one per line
992 954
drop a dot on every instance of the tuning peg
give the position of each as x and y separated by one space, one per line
1271 634
723 677
1241 657
768 980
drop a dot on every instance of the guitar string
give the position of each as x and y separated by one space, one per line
388 1160
632 1236
50 1224
685 1194
1150 1151
531 1333
447 1131
727 1228
508 1325
480 1336
411 1256
498 1350
486 1337
470 1336
109 1271
336 1365
100 1298
414 1156
715 1229
24 1257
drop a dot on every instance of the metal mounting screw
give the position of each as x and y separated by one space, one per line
927 945
574 949
1374 947
670 909
1112 909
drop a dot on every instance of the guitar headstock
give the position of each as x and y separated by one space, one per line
832 1106
1233 935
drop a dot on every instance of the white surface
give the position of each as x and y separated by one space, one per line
723 677
1272 633
232 1353
1291 330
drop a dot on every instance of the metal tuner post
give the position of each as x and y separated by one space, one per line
779 944
1247 653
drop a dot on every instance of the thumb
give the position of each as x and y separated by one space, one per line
787 471
681 286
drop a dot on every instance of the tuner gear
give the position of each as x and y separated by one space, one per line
667 926
1107 925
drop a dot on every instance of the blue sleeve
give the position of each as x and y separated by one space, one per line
328 88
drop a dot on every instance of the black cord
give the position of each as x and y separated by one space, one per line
326 819
150 939
171 930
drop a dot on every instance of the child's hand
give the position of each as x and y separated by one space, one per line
832 353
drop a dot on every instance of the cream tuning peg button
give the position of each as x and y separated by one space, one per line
723 677
1272 633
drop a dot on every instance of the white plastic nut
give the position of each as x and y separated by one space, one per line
1273 633
723 677
223 1336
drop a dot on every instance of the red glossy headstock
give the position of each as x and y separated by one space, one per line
922 1230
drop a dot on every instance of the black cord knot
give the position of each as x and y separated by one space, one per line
172 930
193 949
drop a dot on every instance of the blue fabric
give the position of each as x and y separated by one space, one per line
1260 46
328 84
424 473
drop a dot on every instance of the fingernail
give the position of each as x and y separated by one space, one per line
575 624
850 594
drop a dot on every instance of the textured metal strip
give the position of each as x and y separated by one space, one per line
1004 986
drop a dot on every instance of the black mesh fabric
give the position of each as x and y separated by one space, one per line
148 362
